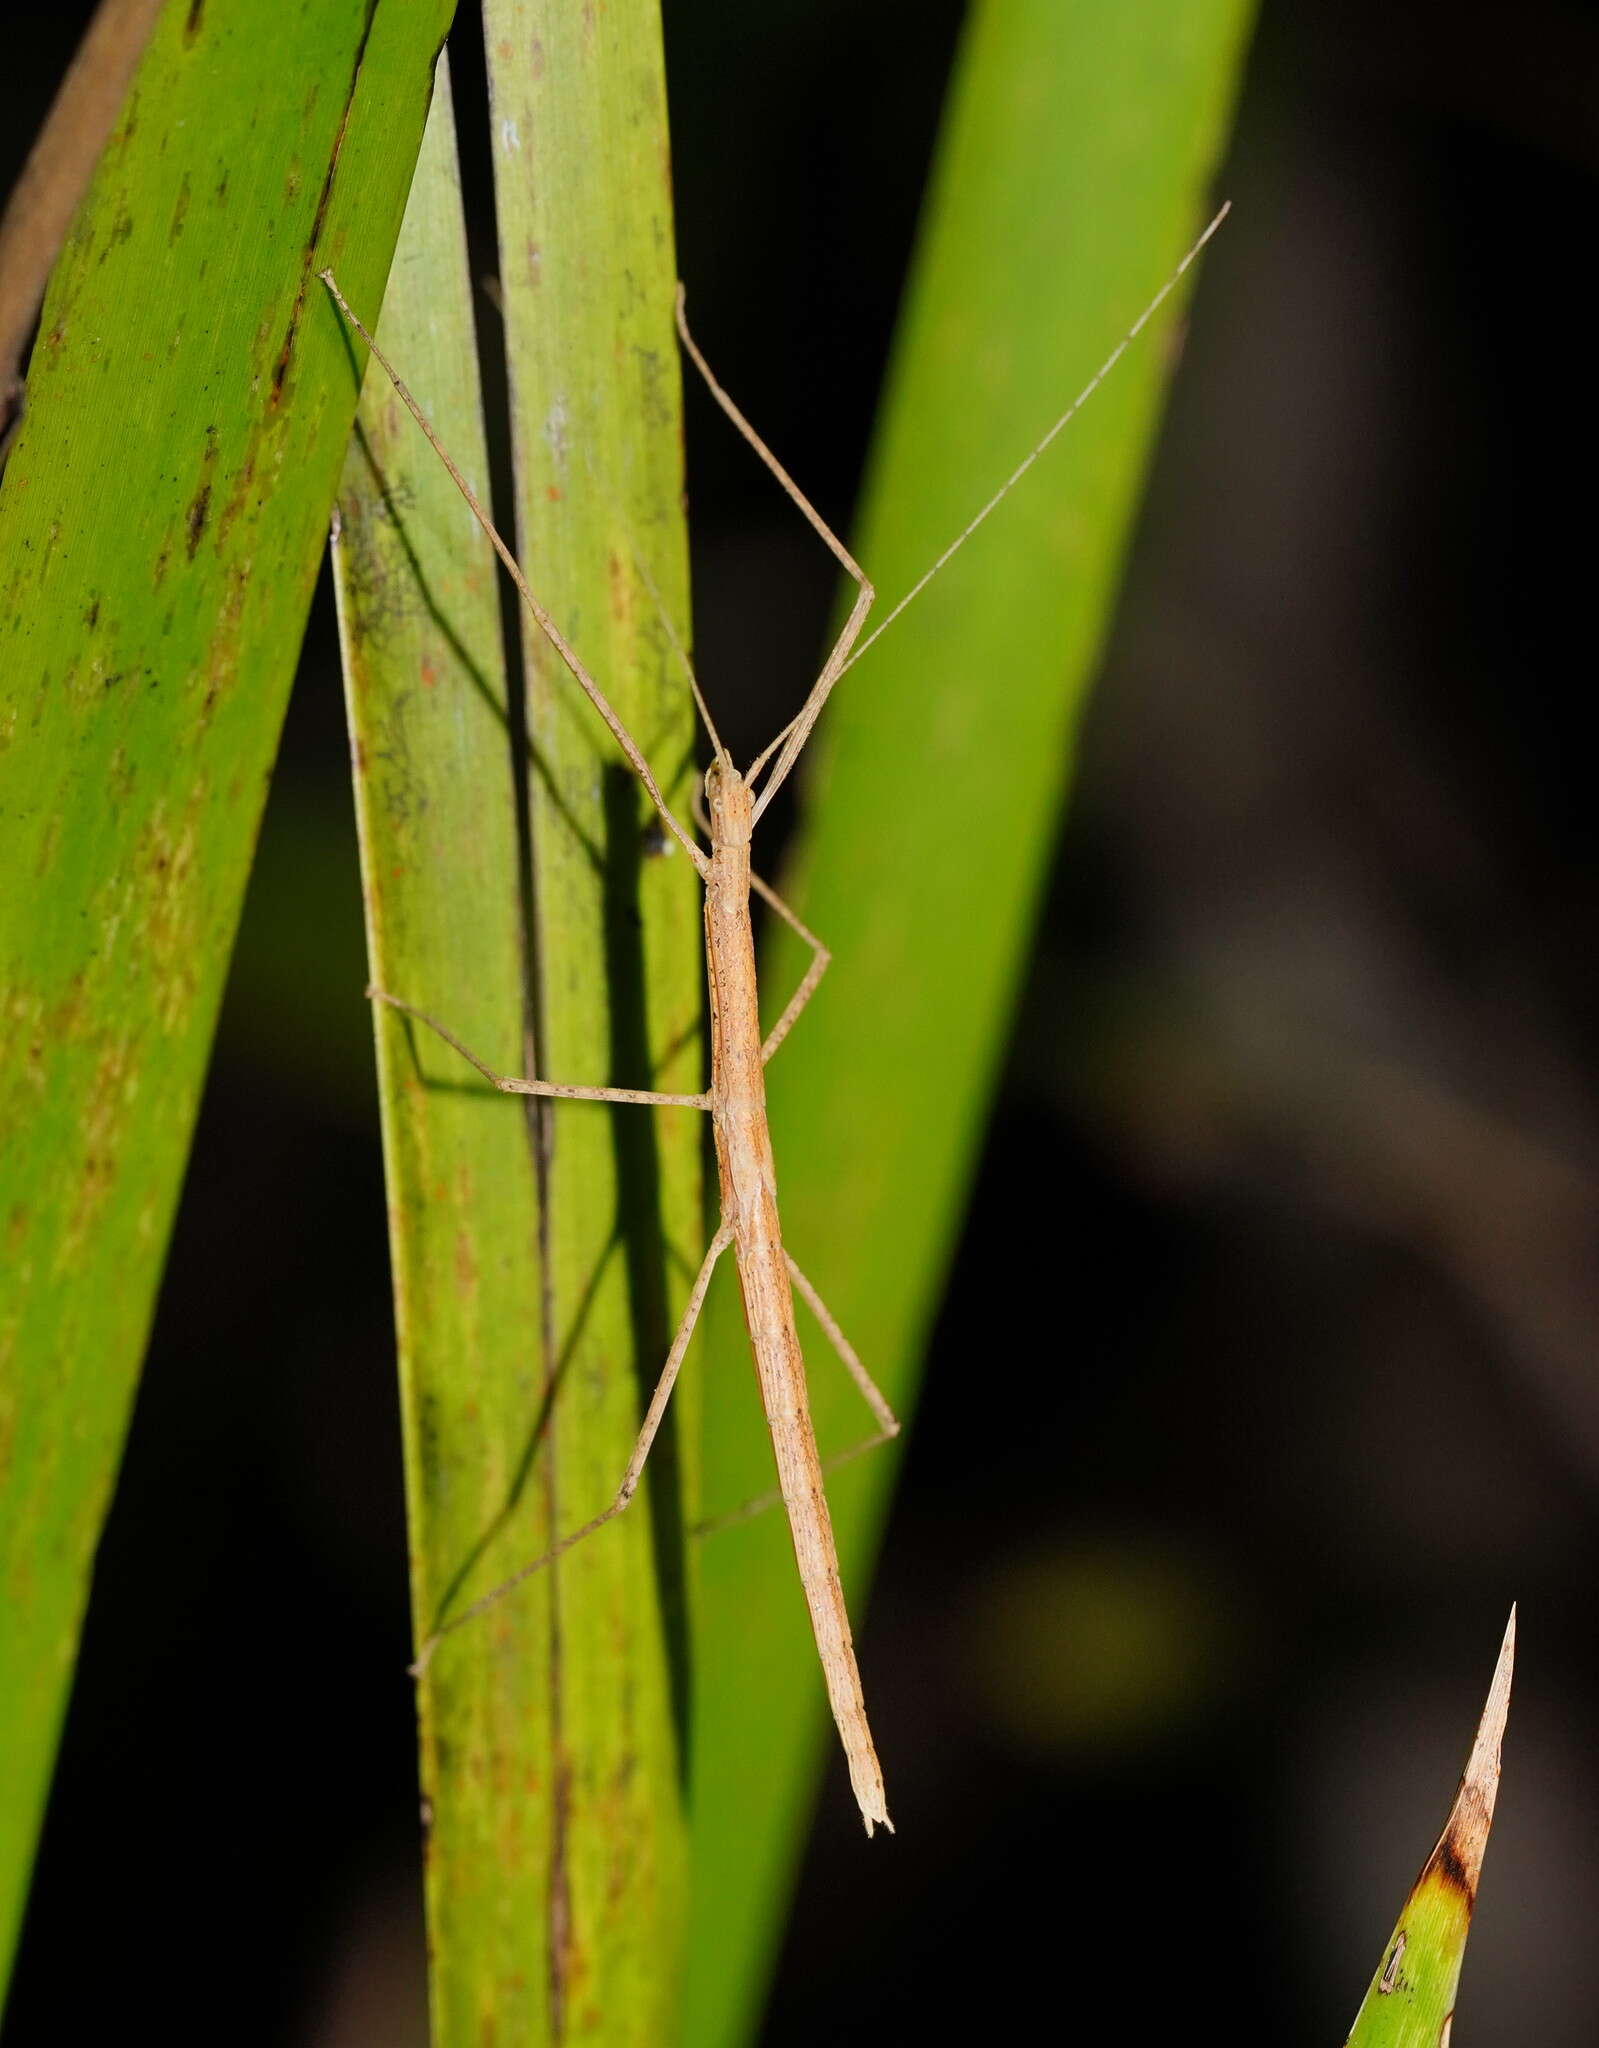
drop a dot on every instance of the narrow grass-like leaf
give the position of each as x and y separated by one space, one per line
1073 172
160 524
587 273
1411 1999
516 890
435 782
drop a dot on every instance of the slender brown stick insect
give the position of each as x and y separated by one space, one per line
736 1098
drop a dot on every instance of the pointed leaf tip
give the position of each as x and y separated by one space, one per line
1464 1840
1411 2000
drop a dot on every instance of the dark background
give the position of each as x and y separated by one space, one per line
1189 1604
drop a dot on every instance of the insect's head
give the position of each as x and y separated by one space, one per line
729 801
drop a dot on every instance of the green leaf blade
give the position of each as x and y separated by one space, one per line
587 273
515 890
428 707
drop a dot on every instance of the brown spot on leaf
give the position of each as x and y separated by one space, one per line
280 369
1449 1865
102 1124
200 504
236 499
199 511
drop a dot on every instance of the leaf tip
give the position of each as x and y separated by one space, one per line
1461 1846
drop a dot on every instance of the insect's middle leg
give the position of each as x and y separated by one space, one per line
820 958
509 1084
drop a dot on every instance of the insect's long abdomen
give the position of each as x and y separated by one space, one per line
749 1208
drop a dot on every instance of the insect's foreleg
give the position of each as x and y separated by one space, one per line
653 1418
798 730
887 1421
795 733
509 1084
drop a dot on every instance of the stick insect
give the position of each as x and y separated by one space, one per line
736 1098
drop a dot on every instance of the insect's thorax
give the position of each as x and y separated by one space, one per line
736 1082
738 1092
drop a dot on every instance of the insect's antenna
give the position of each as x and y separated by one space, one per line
819 525
694 684
1038 448
551 631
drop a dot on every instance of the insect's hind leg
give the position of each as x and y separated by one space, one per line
871 1393
888 1426
654 1416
